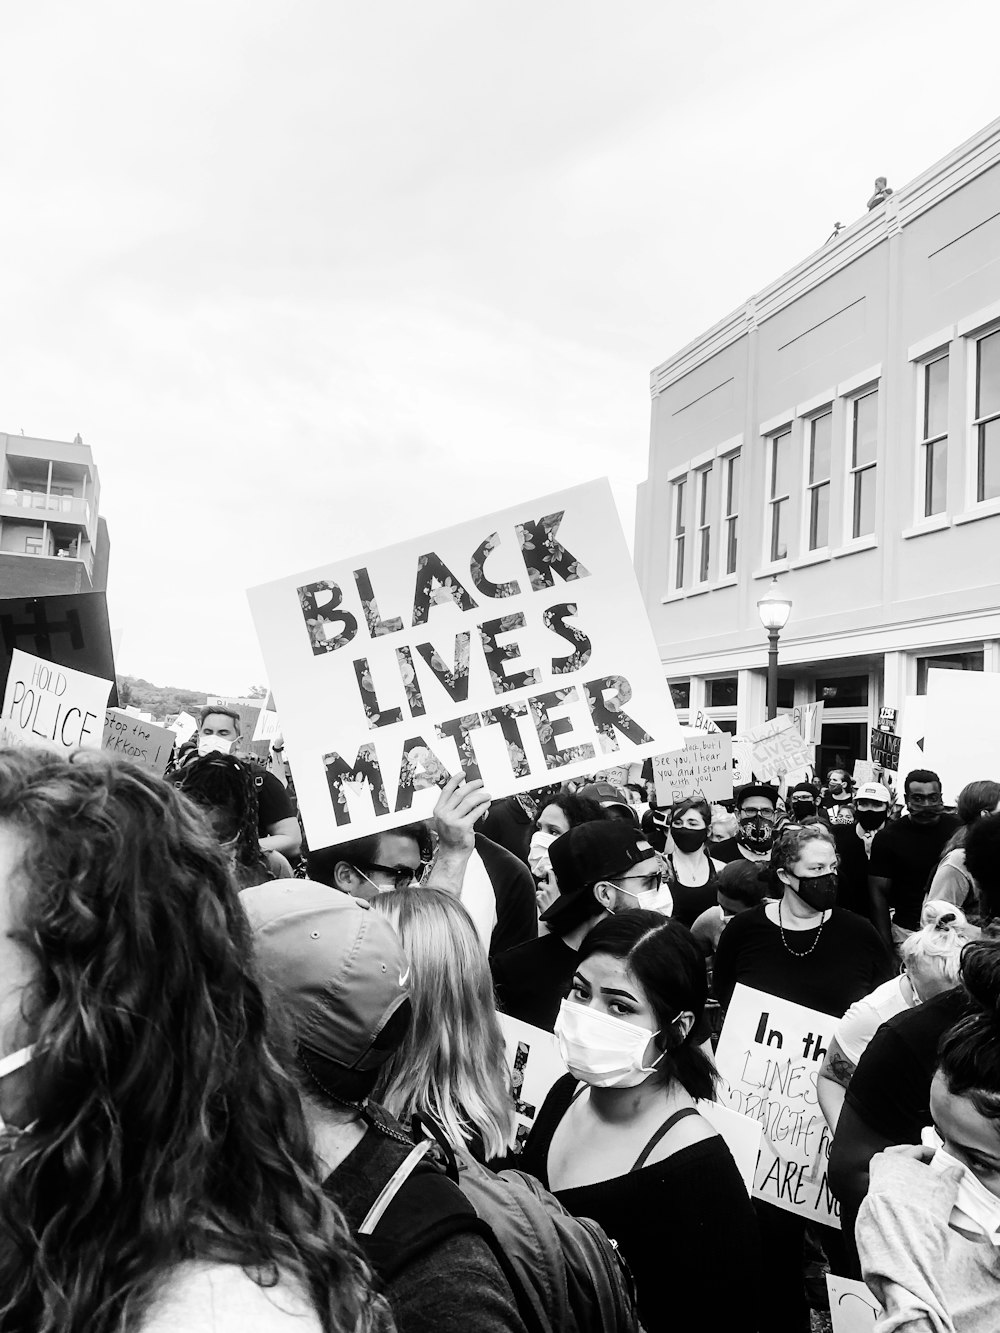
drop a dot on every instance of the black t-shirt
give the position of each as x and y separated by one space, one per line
849 960
690 900
509 825
531 979
852 870
890 1089
906 853
728 850
514 889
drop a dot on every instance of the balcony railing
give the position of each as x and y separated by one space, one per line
70 505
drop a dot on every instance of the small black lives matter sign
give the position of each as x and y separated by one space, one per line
70 630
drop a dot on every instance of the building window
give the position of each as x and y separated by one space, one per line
987 422
842 691
680 693
786 692
780 465
934 431
947 662
730 518
721 693
33 545
820 439
864 451
704 525
680 488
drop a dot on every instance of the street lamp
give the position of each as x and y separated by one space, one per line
774 611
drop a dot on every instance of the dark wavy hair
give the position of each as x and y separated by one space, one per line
164 1127
577 809
224 788
669 966
969 1052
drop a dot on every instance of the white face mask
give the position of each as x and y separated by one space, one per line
538 853
604 1051
652 900
976 1209
9 1065
213 745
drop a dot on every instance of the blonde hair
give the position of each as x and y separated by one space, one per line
943 935
452 1065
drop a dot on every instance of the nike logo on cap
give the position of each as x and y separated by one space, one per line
404 977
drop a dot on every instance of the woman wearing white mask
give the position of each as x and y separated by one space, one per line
928 1231
620 1139
694 871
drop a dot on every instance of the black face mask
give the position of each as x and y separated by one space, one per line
689 839
756 832
818 891
803 809
870 820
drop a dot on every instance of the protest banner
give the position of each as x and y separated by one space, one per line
702 722
742 1136
887 718
184 726
46 707
864 772
515 647
133 738
778 749
885 749
742 761
808 719
267 725
912 728
769 1056
853 1308
535 1063
703 768
69 630
961 726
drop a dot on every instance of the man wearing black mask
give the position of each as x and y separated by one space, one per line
854 846
904 855
804 803
755 807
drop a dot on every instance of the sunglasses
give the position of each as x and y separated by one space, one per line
402 876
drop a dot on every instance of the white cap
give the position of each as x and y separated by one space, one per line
874 791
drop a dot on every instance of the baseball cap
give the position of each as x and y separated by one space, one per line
807 787
342 973
757 789
606 795
874 791
600 849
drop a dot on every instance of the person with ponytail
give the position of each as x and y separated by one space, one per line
928 1230
952 881
156 1172
620 1138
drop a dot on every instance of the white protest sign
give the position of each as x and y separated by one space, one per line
702 722
769 1056
962 727
853 1309
49 707
808 719
267 726
864 772
703 768
742 761
778 749
515 647
742 1136
535 1064
912 728
184 726
133 738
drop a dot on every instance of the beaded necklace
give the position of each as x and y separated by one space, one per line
796 953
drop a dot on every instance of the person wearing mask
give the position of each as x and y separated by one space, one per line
837 797
755 811
803 802
219 733
952 882
930 957
805 949
222 787
739 886
904 855
854 845
693 872
619 1139
928 1231
451 1064
344 982
155 1170
562 811
600 867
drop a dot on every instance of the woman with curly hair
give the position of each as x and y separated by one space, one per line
223 788
155 1170
451 1065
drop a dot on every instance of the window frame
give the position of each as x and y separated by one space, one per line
702 568
775 501
973 471
854 472
678 531
924 441
811 489
31 537
729 518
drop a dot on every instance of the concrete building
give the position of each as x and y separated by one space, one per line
52 538
841 431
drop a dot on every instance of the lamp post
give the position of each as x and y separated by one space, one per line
774 611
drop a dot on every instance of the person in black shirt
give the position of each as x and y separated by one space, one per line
905 854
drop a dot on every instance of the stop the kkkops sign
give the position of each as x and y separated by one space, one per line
515 647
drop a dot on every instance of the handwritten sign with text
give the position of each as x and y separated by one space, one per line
778 749
144 743
703 768
515 648
50 707
769 1056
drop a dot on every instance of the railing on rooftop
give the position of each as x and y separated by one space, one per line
72 505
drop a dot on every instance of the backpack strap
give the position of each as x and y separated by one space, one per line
664 1129
392 1187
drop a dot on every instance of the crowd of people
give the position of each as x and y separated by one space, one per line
248 1084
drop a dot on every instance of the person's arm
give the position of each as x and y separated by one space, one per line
458 808
834 1076
283 836
456 1286
878 891
951 884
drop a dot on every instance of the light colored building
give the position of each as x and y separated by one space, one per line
840 430
52 538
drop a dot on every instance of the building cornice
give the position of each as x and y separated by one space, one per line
945 177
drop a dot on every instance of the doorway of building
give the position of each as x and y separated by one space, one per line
840 745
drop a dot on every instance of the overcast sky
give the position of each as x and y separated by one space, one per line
313 277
